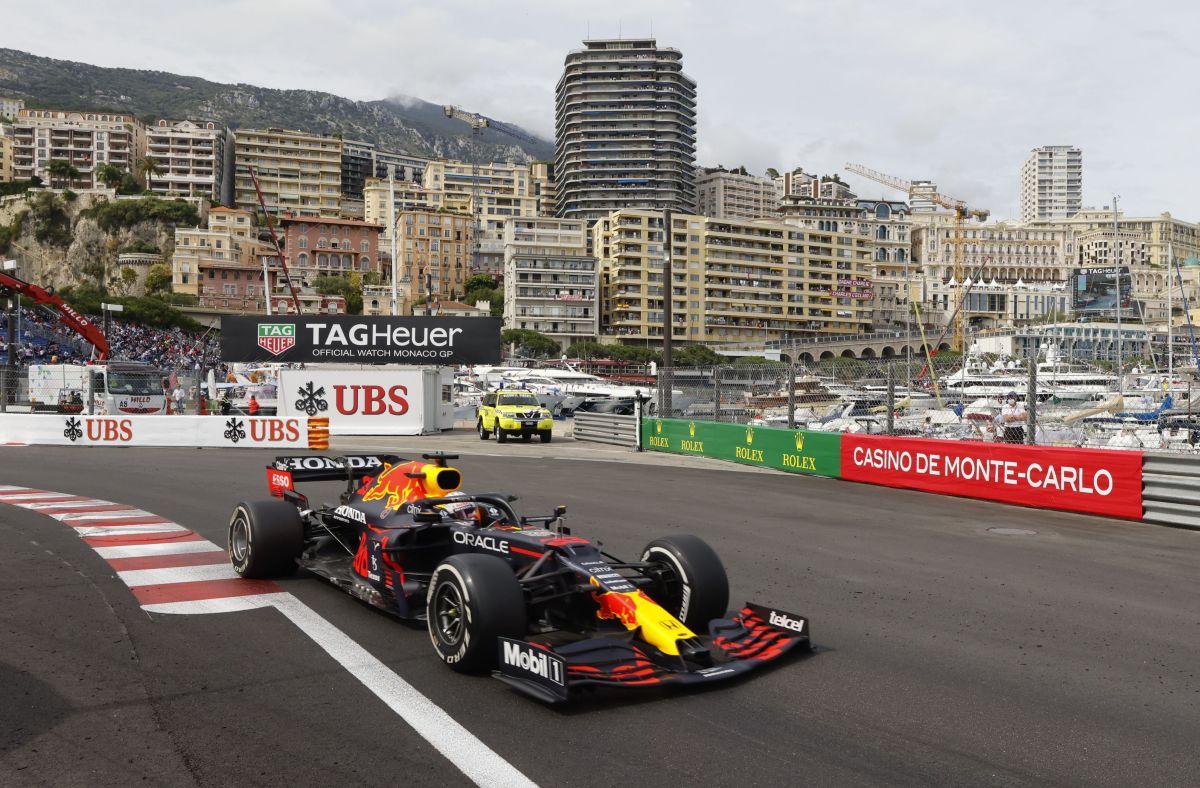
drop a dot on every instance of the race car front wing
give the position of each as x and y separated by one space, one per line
748 639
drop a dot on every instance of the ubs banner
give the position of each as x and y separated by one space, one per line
798 451
1097 481
361 340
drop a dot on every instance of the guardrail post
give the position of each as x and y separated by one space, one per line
1031 403
716 375
637 414
891 400
791 392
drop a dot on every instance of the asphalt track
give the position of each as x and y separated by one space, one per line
948 652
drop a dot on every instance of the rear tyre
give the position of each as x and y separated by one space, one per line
545 436
264 538
483 434
473 600
691 583
501 435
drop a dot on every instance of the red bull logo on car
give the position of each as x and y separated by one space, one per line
395 487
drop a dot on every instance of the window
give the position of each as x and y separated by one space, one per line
365 246
303 258
302 242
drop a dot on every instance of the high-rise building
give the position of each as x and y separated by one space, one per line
362 160
625 130
732 280
542 187
190 159
434 256
1052 183
502 191
82 140
550 281
734 194
297 171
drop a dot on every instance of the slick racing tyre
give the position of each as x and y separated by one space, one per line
265 538
690 580
483 434
473 600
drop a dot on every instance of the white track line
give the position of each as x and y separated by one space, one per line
130 530
158 548
88 504
220 569
31 496
474 758
71 517
229 604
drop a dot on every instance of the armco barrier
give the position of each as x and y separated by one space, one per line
1171 490
798 451
1096 481
198 431
608 428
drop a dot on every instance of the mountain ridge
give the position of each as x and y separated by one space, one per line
403 124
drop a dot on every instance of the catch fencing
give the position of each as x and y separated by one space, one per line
1052 402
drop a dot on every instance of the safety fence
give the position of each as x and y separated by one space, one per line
1054 401
187 431
1093 481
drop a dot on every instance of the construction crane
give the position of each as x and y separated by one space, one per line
478 123
962 212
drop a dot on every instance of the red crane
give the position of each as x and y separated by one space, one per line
75 321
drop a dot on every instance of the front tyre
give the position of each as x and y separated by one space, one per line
690 580
545 435
473 600
264 538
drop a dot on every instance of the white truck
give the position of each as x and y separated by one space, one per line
109 388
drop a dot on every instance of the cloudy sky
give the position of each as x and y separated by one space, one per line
954 92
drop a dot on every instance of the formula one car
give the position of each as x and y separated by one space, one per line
551 611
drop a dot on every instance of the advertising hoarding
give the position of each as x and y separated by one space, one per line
370 401
1094 290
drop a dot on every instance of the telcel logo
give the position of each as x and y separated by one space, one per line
781 620
533 660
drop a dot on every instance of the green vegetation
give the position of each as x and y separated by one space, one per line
19 187
147 310
349 288
50 222
158 279
62 172
126 280
140 247
10 231
690 355
109 174
113 216
530 343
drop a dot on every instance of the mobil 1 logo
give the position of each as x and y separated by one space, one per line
535 666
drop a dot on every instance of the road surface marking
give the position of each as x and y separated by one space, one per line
178 574
157 548
159 528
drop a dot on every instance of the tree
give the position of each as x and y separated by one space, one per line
109 175
126 280
697 356
372 279
61 170
479 282
158 279
530 343
772 172
148 168
95 270
585 350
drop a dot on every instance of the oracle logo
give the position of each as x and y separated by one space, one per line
360 400
274 430
109 430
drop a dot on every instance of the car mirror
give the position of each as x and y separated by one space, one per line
559 511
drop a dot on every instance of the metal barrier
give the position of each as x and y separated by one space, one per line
607 428
1170 489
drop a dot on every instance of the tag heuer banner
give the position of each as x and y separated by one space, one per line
361 340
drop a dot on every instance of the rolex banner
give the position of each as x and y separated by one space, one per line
355 339
798 451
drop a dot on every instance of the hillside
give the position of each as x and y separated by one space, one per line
401 124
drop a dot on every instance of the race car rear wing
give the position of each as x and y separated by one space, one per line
284 472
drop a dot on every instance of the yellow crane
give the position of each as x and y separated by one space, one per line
917 190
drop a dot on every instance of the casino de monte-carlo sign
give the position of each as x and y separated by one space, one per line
356 339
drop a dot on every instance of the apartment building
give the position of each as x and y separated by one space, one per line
491 194
550 280
221 264
191 158
409 196
297 171
327 246
1052 183
625 130
6 142
362 160
10 107
434 250
734 194
732 280
889 226
542 187
84 140
799 183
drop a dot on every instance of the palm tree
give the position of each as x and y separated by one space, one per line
148 168
109 174
61 169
